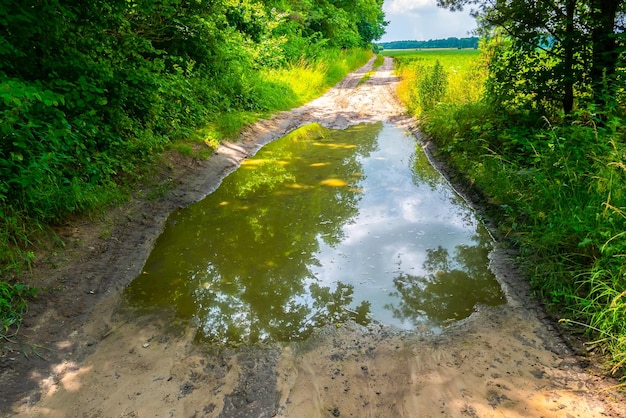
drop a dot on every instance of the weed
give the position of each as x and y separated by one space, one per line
13 305
433 86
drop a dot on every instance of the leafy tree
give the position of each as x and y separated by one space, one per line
558 48
342 23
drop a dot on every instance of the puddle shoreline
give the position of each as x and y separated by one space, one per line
319 227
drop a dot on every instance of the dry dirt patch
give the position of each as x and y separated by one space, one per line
94 361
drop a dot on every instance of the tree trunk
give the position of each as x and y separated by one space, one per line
568 60
604 53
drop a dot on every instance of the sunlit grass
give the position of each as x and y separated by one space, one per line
464 71
305 81
276 90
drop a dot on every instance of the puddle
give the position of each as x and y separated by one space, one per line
320 227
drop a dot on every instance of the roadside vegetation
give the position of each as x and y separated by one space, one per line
554 181
91 95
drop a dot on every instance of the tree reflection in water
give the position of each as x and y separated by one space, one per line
450 289
228 318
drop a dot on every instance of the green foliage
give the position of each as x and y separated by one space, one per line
529 78
555 187
346 24
16 235
559 53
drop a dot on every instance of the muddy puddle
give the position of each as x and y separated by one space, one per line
321 227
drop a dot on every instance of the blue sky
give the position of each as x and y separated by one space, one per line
422 20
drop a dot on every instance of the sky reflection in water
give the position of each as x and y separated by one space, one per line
320 227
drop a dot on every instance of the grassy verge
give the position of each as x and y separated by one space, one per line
13 304
276 90
22 227
555 188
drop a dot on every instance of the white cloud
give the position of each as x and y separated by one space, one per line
423 20
407 6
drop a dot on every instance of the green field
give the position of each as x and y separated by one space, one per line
459 78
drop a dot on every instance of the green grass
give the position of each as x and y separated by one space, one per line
13 304
376 65
380 59
300 83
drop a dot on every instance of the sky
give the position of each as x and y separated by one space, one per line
422 20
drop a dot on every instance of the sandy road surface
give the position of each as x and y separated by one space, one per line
95 362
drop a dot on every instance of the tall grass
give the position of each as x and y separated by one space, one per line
556 189
306 80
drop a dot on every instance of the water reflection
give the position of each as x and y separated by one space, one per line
448 290
321 227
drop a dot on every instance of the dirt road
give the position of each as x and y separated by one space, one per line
87 359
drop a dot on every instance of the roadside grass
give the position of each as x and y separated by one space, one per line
275 90
379 61
268 91
14 300
556 190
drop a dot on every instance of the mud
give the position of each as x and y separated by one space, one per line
77 355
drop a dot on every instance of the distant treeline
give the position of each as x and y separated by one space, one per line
432 43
